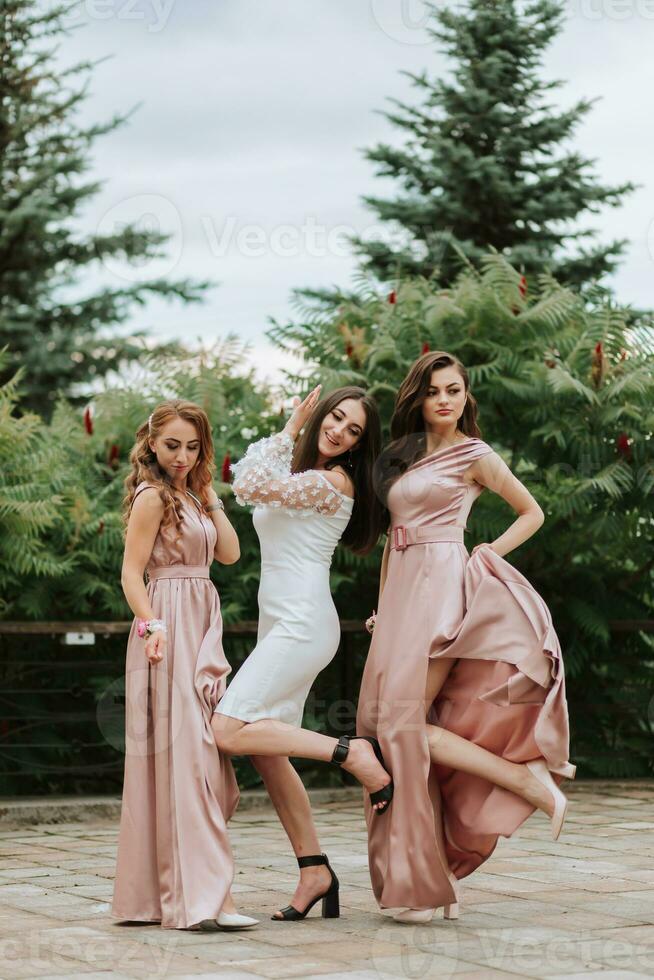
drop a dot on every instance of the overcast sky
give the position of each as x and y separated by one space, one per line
247 145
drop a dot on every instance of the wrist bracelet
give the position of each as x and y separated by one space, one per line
370 622
146 627
219 505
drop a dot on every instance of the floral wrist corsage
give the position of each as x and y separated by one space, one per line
146 627
370 622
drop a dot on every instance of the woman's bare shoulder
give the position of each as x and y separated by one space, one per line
340 479
144 502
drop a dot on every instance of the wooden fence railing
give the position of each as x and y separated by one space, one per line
62 706
247 627
62 699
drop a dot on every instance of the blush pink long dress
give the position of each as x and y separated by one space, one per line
506 691
174 862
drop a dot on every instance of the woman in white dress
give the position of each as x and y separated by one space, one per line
307 496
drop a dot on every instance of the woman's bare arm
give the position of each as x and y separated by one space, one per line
227 550
144 522
491 471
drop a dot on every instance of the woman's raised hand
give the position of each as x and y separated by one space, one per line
302 411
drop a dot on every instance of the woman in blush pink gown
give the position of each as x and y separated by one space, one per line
175 863
464 684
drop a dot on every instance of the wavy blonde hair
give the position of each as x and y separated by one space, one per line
145 466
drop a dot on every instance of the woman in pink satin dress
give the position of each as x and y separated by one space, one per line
464 684
174 861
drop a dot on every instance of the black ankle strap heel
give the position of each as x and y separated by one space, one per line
330 899
340 753
312 860
341 750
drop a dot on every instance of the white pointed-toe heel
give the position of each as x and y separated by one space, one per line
451 911
414 916
234 920
539 769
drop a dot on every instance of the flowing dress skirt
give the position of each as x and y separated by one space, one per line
175 862
506 692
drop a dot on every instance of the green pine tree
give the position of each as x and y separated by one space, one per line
60 342
482 162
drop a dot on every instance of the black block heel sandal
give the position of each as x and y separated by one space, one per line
330 902
383 795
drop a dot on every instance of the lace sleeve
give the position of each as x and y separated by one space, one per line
264 476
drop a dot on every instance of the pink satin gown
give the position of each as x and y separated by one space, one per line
506 691
175 863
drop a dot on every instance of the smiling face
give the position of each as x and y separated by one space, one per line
446 396
341 428
177 448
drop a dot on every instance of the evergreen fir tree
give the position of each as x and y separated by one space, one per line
483 164
60 342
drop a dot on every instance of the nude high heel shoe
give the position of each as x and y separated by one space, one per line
539 769
422 916
414 916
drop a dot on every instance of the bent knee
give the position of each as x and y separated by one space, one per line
224 734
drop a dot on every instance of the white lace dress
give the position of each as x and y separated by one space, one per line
299 518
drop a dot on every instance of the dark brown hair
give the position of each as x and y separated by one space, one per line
367 519
145 466
408 437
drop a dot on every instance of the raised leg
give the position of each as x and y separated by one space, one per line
451 750
270 737
291 801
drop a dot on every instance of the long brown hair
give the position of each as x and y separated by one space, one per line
408 437
145 466
367 519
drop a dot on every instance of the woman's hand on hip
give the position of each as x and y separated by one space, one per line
484 544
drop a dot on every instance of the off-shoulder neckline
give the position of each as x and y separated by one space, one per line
444 449
343 496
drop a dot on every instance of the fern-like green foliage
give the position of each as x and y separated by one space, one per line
61 488
565 386
30 505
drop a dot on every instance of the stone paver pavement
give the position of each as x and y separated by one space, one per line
580 907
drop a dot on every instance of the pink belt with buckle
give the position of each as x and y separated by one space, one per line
178 571
402 536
